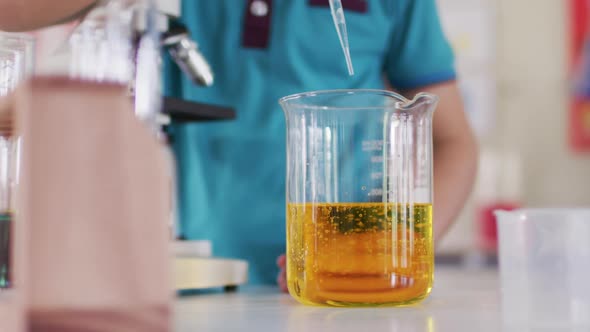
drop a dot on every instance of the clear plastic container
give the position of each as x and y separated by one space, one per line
359 197
544 268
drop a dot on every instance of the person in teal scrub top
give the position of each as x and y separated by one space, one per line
232 174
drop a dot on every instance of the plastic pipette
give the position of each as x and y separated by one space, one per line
340 23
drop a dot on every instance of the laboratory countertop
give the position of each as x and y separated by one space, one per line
461 300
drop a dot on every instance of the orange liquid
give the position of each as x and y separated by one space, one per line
359 254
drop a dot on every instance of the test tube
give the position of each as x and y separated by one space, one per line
16 63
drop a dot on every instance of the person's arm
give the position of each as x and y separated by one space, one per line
455 155
25 15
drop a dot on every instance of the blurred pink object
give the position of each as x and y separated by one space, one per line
95 199
487 229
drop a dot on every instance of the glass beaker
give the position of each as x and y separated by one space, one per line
359 197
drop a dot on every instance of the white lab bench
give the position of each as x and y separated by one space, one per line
461 300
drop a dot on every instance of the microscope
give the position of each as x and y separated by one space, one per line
196 267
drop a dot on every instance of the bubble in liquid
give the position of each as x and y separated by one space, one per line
363 188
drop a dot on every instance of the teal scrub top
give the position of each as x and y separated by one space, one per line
231 174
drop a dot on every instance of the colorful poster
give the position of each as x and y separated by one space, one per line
579 114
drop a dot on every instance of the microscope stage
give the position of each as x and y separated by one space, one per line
194 268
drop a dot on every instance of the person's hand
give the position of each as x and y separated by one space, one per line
282 277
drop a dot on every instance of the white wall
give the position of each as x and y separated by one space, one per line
533 102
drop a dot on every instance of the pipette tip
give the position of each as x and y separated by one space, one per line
350 69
